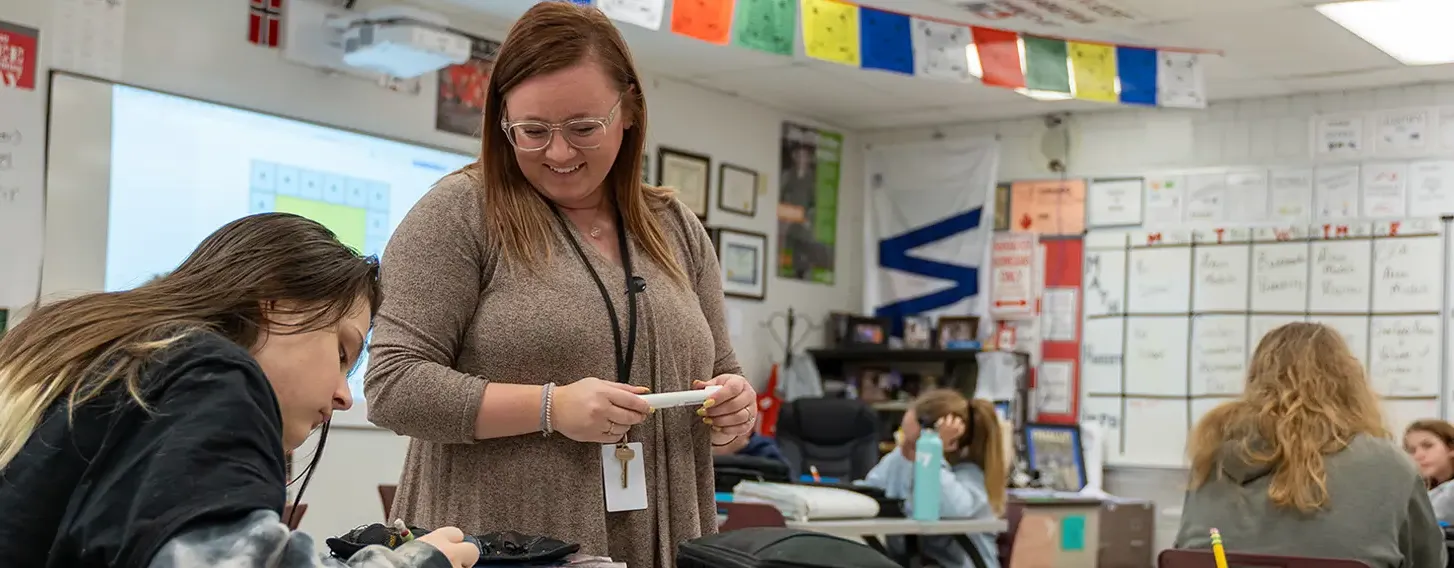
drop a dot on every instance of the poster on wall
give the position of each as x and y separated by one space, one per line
1012 280
807 210
22 125
461 94
18 56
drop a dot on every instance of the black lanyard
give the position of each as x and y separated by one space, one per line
624 355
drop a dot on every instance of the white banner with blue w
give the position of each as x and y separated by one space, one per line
929 219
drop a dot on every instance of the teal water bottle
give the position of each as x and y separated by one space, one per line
928 462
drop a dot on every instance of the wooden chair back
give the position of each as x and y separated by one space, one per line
293 517
745 515
1204 559
386 495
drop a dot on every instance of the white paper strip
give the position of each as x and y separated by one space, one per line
644 13
941 51
1179 81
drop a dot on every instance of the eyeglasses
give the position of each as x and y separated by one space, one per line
581 133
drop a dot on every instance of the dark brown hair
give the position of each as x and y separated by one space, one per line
1440 429
549 37
77 348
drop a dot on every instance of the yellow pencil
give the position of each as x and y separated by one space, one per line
1217 551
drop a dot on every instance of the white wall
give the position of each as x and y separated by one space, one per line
1266 131
199 49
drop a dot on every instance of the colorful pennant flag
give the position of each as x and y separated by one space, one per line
706 20
766 25
1046 68
1093 69
886 41
643 13
1136 67
941 50
1179 80
843 32
830 31
999 57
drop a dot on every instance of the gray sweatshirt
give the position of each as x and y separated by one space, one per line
1378 511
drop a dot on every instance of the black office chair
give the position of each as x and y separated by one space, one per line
838 436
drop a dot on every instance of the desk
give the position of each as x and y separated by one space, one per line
870 529
855 528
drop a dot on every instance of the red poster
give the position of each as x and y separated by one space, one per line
1060 330
19 51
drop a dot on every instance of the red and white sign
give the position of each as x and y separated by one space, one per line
264 22
1012 275
18 56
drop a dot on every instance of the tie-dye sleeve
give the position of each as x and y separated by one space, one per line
261 540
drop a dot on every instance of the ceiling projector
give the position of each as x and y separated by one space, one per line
402 42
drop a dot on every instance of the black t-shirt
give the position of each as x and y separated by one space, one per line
109 489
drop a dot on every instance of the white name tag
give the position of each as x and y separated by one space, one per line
624 491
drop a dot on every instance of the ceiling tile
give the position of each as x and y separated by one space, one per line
1278 43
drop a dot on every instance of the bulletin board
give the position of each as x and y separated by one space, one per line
1161 347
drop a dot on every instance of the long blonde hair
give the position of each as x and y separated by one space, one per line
551 36
982 444
78 348
1306 397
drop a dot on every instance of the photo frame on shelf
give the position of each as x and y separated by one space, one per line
918 332
951 330
688 173
1054 450
737 189
743 257
867 332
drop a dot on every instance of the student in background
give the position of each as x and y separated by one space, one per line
1301 464
973 482
754 445
1431 443
148 428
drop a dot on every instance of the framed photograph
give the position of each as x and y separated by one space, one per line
737 189
690 174
867 332
1054 451
743 256
956 329
1002 207
918 332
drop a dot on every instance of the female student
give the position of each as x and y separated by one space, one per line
973 481
1301 464
149 427
1431 444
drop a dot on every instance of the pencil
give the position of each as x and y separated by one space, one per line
1217 550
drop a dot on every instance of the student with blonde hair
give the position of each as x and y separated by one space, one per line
1431 444
973 480
1301 463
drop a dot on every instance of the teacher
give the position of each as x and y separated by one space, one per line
531 295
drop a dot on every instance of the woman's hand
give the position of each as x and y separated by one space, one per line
951 430
450 541
731 411
593 410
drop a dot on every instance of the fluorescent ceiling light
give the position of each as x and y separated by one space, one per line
1415 32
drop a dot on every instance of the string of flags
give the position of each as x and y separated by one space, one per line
846 33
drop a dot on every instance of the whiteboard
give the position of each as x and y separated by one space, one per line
1198 302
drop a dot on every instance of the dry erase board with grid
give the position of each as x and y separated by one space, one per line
1172 317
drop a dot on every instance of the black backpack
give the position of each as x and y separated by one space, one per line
777 547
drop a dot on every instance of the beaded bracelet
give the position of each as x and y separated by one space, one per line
546 397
